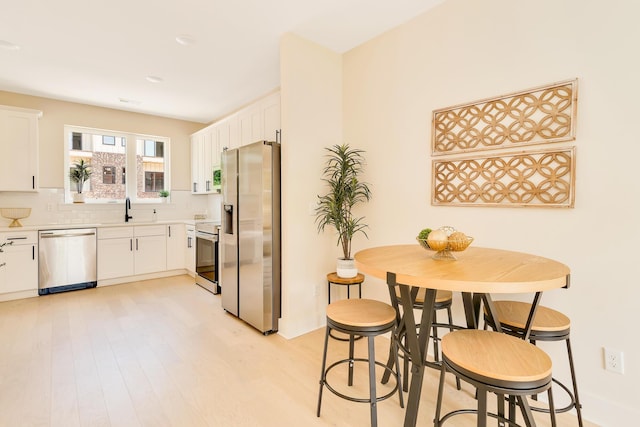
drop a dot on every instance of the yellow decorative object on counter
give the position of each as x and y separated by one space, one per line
15 214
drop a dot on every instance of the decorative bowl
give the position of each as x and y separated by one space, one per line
444 249
15 214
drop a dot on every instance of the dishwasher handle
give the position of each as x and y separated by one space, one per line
49 235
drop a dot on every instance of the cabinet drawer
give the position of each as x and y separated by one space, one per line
115 232
150 230
20 237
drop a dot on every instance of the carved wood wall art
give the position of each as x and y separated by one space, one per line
465 174
536 178
536 116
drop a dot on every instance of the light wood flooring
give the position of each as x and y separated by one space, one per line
164 353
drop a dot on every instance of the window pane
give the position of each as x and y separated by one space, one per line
108 175
108 140
76 141
149 148
153 181
151 165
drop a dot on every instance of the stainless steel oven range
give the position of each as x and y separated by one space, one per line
207 256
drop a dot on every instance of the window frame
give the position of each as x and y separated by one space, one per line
130 148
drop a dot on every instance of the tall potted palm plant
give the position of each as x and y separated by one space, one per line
345 190
79 174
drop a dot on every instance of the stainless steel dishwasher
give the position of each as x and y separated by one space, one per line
67 260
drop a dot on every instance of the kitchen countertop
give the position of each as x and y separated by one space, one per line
101 225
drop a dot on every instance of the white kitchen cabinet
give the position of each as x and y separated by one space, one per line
260 120
18 149
150 249
270 107
20 259
228 134
176 235
205 157
115 252
191 248
128 251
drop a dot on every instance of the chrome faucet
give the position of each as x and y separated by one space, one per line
127 206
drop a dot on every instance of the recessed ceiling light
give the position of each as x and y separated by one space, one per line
154 79
185 40
8 45
129 101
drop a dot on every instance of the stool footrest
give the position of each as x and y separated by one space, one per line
570 406
475 411
352 398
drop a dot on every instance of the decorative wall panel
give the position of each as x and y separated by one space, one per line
536 116
536 178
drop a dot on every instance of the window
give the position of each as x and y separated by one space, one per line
110 155
108 175
76 141
153 181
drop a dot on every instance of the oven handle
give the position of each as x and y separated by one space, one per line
206 236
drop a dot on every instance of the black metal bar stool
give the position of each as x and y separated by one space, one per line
547 325
367 318
496 363
443 301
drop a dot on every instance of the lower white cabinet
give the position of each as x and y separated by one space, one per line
20 259
176 233
190 256
128 251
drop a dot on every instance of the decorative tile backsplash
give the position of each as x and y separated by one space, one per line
48 207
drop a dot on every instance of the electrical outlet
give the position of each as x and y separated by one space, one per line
613 360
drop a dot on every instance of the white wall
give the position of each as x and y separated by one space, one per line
465 50
311 118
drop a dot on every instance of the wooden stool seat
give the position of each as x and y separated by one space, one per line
497 358
441 296
361 313
515 315
495 363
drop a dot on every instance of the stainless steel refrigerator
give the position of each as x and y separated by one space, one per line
249 276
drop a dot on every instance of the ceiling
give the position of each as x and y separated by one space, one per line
100 52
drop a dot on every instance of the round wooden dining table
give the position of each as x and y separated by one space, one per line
476 273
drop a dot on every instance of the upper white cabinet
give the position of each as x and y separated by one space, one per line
256 122
228 133
260 120
205 157
18 149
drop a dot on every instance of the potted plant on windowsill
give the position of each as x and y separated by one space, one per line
164 195
80 173
341 174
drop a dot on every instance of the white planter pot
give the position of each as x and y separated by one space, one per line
78 198
346 268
